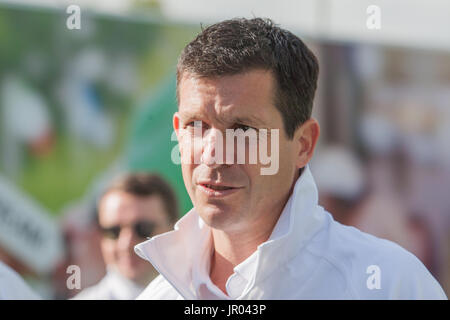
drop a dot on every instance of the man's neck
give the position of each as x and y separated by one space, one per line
229 251
232 248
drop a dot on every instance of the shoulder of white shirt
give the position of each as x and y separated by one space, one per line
357 255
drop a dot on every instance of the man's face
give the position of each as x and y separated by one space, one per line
230 102
123 210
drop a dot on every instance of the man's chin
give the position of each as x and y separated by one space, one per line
132 275
218 217
129 270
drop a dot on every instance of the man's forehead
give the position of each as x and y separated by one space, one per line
119 206
229 83
243 98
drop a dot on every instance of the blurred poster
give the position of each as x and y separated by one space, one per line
27 231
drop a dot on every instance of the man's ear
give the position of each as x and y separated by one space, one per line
176 123
306 138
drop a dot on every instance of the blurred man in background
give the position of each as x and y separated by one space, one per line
133 208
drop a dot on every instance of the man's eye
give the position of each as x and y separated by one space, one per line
243 127
193 124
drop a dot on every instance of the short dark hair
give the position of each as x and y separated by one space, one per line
239 45
142 184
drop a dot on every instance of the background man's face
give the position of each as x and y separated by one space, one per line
224 103
118 208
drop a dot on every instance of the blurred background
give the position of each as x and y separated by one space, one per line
79 106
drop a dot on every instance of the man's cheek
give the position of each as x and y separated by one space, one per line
190 150
187 171
109 252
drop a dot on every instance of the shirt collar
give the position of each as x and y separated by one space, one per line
300 219
175 260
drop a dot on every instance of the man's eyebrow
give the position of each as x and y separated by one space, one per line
248 120
188 115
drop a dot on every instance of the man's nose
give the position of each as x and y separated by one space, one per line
213 148
126 239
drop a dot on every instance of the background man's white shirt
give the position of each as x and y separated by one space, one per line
113 286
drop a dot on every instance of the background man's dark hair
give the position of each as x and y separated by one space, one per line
239 45
145 185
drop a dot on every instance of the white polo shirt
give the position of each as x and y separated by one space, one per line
236 283
308 256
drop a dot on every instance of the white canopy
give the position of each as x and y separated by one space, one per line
410 23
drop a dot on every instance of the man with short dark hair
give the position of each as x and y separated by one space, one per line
134 207
253 233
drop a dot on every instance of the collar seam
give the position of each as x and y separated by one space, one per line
284 262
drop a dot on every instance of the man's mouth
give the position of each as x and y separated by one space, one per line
217 190
214 187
